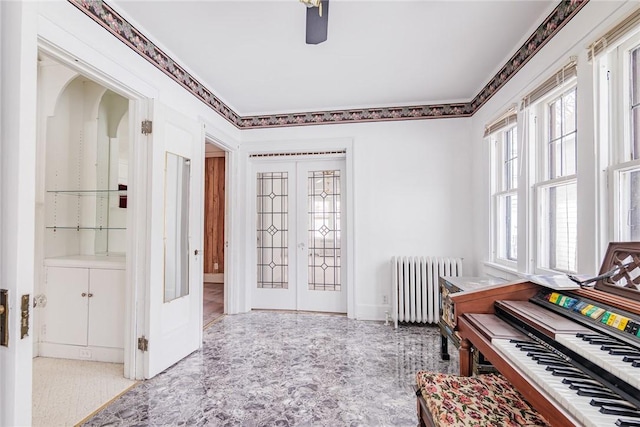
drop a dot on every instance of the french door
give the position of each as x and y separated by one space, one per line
300 220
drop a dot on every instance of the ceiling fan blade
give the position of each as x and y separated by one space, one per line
316 24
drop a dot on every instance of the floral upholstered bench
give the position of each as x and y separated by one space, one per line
485 400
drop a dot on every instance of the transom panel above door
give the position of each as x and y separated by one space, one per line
299 227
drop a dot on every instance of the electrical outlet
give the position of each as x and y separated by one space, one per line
385 299
215 265
85 353
43 330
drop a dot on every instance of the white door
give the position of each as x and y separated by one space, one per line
300 221
174 311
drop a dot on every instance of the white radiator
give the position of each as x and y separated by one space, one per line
416 297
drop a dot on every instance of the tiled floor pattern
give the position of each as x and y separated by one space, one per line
286 369
67 391
213 296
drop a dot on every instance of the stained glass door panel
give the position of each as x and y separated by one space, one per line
275 196
299 224
321 186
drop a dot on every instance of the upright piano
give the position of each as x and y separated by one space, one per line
573 354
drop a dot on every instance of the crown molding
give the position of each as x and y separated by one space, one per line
112 21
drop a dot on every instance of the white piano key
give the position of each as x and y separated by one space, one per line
611 363
578 406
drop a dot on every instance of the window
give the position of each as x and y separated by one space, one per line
555 134
625 150
618 61
505 197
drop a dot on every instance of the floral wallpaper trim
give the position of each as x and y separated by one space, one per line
560 16
109 19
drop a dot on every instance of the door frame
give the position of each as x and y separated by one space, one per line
111 75
312 148
233 261
229 294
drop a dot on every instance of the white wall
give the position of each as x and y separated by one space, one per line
60 29
572 41
411 194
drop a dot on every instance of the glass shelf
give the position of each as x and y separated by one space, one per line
90 193
80 228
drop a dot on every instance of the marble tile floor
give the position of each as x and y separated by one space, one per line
213 296
288 369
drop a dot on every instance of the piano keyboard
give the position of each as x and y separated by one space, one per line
590 402
624 363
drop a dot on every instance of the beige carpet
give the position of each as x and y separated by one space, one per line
67 391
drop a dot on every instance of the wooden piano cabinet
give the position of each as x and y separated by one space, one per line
474 295
482 301
472 336
466 359
448 286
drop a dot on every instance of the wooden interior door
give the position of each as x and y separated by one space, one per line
214 197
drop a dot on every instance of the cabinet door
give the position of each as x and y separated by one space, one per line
65 315
106 308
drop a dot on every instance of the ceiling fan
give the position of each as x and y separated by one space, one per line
317 20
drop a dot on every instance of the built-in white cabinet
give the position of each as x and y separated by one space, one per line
83 316
81 210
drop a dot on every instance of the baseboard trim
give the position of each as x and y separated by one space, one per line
96 354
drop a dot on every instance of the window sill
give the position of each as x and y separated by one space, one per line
501 268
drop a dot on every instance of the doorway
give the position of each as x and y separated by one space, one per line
214 233
81 223
300 217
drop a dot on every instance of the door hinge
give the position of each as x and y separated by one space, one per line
143 343
147 127
4 317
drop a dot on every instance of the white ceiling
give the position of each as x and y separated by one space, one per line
252 54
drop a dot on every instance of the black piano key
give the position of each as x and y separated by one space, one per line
636 364
611 402
551 362
612 410
534 354
589 387
579 381
594 393
617 346
588 335
624 352
603 342
516 341
568 373
549 356
525 347
625 422
630 358
555 366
